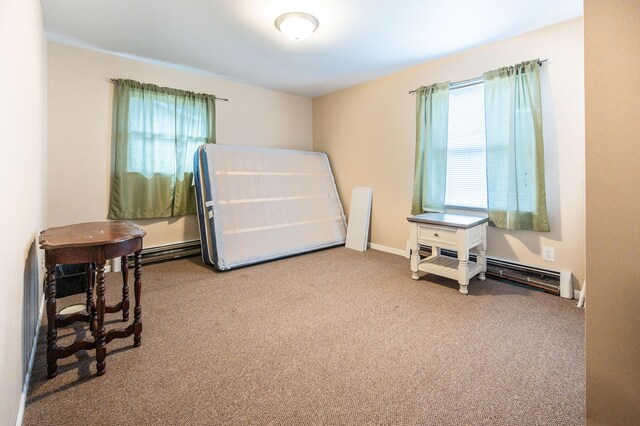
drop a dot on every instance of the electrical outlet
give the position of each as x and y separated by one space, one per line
548 253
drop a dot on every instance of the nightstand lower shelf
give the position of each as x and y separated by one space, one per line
446 266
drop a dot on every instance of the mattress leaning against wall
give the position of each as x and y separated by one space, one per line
259 204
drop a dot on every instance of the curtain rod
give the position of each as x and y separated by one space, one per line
111 80
471 81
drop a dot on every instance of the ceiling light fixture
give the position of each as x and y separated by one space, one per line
296 25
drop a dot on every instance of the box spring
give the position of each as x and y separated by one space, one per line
260 204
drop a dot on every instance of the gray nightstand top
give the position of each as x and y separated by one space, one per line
447 219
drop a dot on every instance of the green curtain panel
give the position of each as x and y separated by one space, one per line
156 131
432 118
516 195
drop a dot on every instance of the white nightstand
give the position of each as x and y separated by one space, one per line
454 232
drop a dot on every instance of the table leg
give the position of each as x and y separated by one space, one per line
415 252
101 347
91 307
137 290
482 257
125 287
463 269
52 333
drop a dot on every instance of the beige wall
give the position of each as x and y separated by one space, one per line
79 108
369 133
22 171
612 71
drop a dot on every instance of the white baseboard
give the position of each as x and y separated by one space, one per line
388 249
576 294
27 378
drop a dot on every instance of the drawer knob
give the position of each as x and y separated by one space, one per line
435 234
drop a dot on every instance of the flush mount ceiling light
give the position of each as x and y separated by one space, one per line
296 25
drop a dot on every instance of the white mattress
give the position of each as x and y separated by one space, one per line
259 204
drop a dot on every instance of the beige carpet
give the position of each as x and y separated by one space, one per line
331 337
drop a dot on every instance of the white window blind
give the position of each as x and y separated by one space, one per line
466 184
153 132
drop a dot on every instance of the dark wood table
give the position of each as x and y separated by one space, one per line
92 243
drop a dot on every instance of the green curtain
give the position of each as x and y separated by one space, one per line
516 194
432 117
156 131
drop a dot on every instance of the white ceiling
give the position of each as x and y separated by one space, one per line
357 40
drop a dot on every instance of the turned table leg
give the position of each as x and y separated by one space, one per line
415 261
137 290
52 333
463 269
91 307
415 252
482 254
101 347
125 287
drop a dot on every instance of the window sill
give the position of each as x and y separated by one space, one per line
466 210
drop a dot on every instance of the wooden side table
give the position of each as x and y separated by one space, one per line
92 243
449 231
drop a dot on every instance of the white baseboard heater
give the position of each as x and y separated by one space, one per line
543 279
168 252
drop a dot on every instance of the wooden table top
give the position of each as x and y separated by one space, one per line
89 234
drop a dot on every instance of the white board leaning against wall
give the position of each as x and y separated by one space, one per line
359 217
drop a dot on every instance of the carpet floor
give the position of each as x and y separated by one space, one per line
331 337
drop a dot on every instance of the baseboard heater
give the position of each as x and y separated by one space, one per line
168 252
543 279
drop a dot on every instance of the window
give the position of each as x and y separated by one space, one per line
466 180
157 130
479 145
154 131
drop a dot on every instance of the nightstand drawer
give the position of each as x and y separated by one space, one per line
436 235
